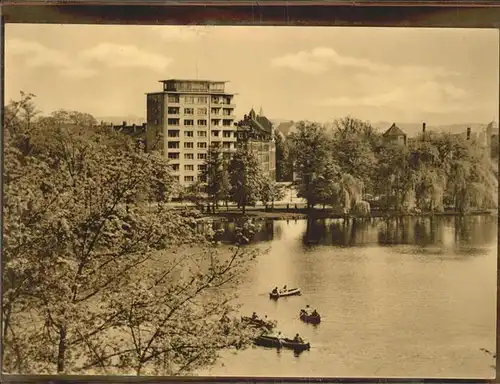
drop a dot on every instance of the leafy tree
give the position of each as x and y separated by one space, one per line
430 178
245 177
311 153
395 178
271 191
225 183
215 174
193 193
91 277
354 144
467 172
351 127
283 158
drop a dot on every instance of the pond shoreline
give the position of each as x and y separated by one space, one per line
279 214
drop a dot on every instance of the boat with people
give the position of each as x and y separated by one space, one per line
257 322
277 342
277 293
311 318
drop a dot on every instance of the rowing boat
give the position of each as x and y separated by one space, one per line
312 319
284 293
259 323
274 342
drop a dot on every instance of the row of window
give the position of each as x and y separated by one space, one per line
201 122
189 167
192 178
200 111
190 145
176 133
188 99
198 99
188 156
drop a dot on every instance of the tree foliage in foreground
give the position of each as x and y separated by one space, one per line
93 279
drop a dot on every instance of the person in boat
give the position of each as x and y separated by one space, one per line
315 313
280 337
254 316
298 339
275 291
307 311
284 288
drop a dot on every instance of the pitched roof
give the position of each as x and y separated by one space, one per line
264 123
285 127
394 130
260 123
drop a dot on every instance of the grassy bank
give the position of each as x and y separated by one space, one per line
282 214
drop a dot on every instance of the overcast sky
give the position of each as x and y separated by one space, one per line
399 74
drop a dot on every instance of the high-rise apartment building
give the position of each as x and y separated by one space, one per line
185 119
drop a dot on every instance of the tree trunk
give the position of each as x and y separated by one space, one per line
243 208
6 323
227 206
61 350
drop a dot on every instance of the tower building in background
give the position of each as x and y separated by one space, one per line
185 119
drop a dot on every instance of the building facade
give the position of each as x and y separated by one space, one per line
256 132
185 119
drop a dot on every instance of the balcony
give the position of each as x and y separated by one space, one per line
222 104
221 116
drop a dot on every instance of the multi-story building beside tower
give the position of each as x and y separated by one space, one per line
256 132
185 119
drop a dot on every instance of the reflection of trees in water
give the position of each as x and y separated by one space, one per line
426 231
316 230
476 230
411 230
338 232
225 231
422 231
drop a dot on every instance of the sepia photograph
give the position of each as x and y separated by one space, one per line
250 201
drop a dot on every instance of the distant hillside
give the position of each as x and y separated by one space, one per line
413 129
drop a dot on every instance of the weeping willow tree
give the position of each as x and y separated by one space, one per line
430 186
396 178
352 191
452 171
344 191
472 183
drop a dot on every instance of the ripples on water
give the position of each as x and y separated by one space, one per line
413 297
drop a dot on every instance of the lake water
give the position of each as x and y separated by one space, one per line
413 297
